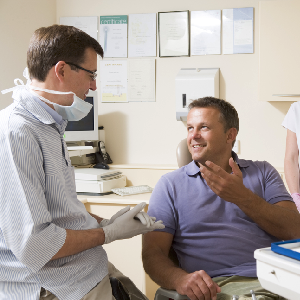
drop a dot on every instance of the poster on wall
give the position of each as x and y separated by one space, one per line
142 35
174 37
86 24
113 80
237 30
141 80
113 35
205 32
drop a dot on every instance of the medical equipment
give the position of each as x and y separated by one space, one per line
278 273
98 181
192 84
253 295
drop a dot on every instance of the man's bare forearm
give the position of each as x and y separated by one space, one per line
279 221
80 240
161 269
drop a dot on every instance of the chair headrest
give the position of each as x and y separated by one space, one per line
183 155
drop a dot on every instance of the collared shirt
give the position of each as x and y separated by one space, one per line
212 234
38 201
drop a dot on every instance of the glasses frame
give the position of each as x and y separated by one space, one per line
81 68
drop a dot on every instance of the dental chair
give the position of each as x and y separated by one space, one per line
183 158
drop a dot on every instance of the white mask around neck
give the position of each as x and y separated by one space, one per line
75 112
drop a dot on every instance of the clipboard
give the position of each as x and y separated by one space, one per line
289 248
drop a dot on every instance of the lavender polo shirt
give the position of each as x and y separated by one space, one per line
210 233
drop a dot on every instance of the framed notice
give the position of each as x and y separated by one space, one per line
174 35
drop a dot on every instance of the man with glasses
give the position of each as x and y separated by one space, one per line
50 246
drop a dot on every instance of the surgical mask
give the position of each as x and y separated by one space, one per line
75 112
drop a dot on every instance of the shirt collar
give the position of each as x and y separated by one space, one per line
28 101
57 117
192 168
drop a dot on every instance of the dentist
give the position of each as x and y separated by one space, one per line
50 246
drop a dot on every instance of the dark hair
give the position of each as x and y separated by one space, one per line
55 43
228 114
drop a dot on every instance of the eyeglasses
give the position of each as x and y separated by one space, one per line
81 68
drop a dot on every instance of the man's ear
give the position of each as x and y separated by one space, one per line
231 135
60 69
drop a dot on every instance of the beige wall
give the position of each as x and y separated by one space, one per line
18 20
148 133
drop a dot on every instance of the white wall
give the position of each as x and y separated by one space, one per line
148 133
18 20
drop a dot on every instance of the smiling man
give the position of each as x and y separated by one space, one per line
217 211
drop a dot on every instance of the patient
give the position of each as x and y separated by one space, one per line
217 210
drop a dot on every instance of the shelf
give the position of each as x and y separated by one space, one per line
82 152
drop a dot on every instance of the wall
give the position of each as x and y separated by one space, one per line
148 133
18 20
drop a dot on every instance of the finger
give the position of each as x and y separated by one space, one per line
158 225
234 166
122 211
144 218
216 169
211 286
218 289
133 212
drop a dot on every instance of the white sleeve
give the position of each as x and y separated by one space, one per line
290 120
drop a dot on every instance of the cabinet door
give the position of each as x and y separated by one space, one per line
124 254
279 49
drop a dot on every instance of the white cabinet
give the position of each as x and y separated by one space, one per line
279 50
126 255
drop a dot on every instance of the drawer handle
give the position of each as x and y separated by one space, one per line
273 272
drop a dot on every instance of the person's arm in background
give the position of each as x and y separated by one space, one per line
197 285
291 166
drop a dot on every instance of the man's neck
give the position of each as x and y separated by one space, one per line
55 98
223 163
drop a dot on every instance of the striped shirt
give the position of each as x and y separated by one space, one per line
38 202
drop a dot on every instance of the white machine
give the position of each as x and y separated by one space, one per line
98 181
278 273
194 83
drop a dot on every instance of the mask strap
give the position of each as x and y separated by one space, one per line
18 84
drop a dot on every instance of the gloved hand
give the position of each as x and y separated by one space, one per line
145 219
125 226
106 222
296 198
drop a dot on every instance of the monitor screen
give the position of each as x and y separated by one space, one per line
85 129
87 123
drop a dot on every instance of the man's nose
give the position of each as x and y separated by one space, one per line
93 85
196 134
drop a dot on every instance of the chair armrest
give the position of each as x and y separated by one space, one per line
164 294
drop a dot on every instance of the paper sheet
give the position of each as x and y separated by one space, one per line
86 24
113 79
206 32
142 35
173 34
238 30
113 35
141 80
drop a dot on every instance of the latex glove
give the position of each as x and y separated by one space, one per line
106 222
125 226
296 198
145 219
